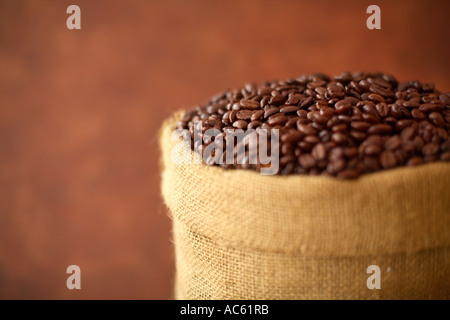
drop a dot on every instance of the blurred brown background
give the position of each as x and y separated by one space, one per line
80 112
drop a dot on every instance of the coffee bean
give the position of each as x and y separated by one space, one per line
393 142
254 124
414 161
270 111
348 174
289 109
307 161
360 125
445 156
293 136
240 124
387 159
373 150
343 106
339 137
244 114
232 116
376 97
417 114
430 149
382 109
379 128
257 115
277 100
437 119
319 152
315 84
249 104
306 129
335 165
278 120
340 126
430 107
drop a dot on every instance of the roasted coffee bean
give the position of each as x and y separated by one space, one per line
343 106
379 128
338 126
306 129
277 100
270 111
249 104
289 109
307 161
335 165
373 149
393 142
387 159
319 152
375 98
232 116
358 135
278 120
257 115
430 149
382 109
445 156
254 124
348 174
414 161
437 119
315 84
360 125
292 136
417 114
244 114
339 137
240 124
431 107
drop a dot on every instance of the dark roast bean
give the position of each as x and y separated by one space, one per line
430 149
277 100
279 120
254 124
348 174
240 124
376 98
373 149
288 109
414 161
360 125
380 128
319 152
270 111
393 142
292 137
244 114
339 137
249 104
387 159
382 109
417 114
340 126
437 119
307 161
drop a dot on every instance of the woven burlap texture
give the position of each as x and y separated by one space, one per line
242 235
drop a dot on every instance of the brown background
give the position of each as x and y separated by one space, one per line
80 111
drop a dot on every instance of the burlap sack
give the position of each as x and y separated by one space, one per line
242 235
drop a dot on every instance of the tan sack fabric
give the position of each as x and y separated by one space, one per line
242 235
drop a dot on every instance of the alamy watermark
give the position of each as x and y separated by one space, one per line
232 146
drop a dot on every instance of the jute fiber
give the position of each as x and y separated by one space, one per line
242 235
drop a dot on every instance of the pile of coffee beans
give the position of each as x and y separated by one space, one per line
342 126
